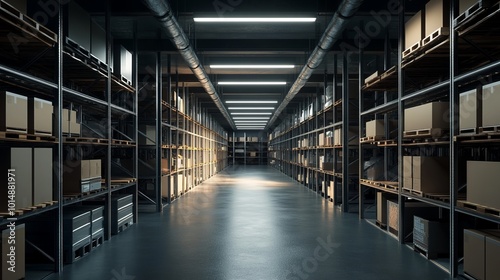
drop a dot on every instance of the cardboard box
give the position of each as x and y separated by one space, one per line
321 139
78 26
474 253
471 111
431 237
492 252
392 217
43 175
164 187
381 208
70 122
491 97
375 128
95 168
20 253
408 172
482 183
42 121
331 191
430 115
13 112
19 159
253 154
431 174
414 30
76 176
437 15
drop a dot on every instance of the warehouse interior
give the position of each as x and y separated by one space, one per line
239 139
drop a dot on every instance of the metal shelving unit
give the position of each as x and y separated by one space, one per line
45 66
181 145
453 64
303 146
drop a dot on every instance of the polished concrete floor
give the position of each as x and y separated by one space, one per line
252 223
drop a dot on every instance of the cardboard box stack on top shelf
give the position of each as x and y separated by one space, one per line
437 20
414 31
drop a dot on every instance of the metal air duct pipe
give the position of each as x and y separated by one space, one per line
332 33
162 11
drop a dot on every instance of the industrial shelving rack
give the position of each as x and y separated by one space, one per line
181 145
295 147
441 70
40 63
247 148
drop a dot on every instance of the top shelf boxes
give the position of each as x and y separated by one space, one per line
414 30
437 20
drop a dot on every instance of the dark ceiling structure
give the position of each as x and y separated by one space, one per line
250 44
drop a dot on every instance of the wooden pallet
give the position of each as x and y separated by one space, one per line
411 50
414 192
85 140
469 131
387 143
436 37
78 50
13 135
371 139
479 208
429 133
490 129
474 11
29 27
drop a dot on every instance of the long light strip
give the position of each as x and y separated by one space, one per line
250 108
234 66
252 83
251 118
255 122
254 19
251 102
251 113
245 127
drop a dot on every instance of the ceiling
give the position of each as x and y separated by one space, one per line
244 43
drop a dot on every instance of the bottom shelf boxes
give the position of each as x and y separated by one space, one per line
76 234
430 237
122 213
481 253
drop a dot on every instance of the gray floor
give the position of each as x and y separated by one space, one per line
252 223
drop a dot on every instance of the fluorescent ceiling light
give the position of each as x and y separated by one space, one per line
256 122
252 126
250 108
252 83
251 118
228 66
254 19
250 102
251 113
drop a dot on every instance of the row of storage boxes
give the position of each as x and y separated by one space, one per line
83 229
481 253
244 139
33 169
478 109
330 138
431 22
426 174
179 184
421 26
33 115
